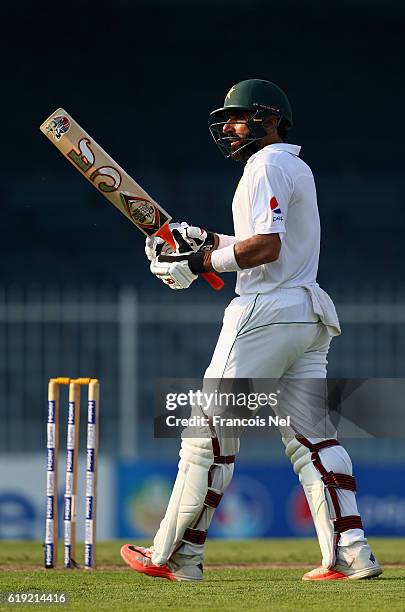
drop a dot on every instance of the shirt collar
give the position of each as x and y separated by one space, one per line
279 146
285 146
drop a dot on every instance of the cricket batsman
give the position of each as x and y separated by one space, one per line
279 327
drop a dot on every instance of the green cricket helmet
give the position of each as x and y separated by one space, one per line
262 99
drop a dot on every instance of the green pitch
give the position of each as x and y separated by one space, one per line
254 575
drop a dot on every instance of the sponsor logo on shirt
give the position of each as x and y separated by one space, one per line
277 215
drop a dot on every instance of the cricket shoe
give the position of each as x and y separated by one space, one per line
352 562
140 559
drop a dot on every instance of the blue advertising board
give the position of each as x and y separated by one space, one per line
263 500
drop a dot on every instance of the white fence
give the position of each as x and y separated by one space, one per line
128 341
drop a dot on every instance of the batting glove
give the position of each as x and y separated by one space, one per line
197 238
178 269
155 246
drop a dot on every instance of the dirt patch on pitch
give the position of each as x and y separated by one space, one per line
24 567
257 566
281 565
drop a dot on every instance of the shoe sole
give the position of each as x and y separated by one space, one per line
186 579
363 574
154 571
366 573
325 577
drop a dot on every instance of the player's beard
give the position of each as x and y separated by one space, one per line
244 151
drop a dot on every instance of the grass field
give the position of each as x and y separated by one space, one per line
253 575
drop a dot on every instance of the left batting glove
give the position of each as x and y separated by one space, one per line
154 245
179 269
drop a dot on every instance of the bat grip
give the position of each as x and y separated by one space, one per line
210 277
214 280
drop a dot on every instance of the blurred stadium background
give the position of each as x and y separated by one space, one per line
76 296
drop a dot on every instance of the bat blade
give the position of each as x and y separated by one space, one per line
111 180
104 173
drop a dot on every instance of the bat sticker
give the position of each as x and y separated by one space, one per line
58 126
143 213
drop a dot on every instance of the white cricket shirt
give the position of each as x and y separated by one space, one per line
277 194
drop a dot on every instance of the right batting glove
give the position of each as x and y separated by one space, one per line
198 239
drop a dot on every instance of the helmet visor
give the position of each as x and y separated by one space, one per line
231 145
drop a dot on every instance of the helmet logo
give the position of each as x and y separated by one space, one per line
228 95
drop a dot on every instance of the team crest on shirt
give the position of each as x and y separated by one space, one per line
276 210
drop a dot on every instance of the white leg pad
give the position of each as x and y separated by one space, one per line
187 498
321 510
221 479
337 459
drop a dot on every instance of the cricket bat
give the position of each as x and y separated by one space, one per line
111 180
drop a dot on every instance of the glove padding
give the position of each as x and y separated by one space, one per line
154 245
196 238
173 268
199 239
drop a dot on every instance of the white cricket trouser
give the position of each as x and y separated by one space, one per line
269 336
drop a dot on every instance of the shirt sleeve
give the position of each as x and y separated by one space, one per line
270 191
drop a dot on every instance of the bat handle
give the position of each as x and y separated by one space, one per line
212 279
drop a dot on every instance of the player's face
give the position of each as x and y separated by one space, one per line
237 131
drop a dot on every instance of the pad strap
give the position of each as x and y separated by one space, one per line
218 458
348 522
212 499
315 448
224 459
340 481
194 536
332 482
